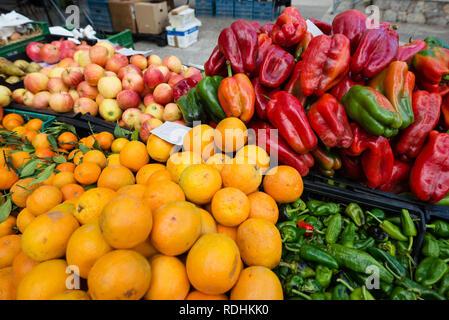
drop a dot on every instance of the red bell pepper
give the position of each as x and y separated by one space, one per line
328 161
359 138
216 64
325 27
429 177
290 27
340 89
407 51
376 49
263 95
286 113
182 87
267 138
377 161
305 225
351 23
328 119
445 111
399 178
426 109
256 25
276 67
325 63
264 41
301 47
238 43
351 166
293 85
267 28
431 67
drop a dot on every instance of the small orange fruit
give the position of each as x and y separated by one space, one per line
19 159
162 192
63 178
40 141
67 140
43 199
200 182
71 191
91 203
7 226
7 289
158 176
263 206
24 218
253 155
230 134
21 190
200 140
134 155
34 124
7 177
66 167
218 160
283 183
95 156
145 248
181 160
133 190
257 283
146 171
88 141
115 177
72 295
241 176
197 295
87 173
30 134
12 120
9 249
231 232
105 140
230 207
21 265
118 144
159 149
208 224
44 153
113 160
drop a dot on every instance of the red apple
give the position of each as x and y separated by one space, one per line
129 68
83 46
35 82
171 112
56 85
153 77
174 79
41 100
139 61
146 90
193 73
99 99
61 102
156 110
145 116
109 87
67 62
50 54
110 74
172 63
128 99
93 72
116 62
33 51
72 76
163 94
68 44
57 43
17 95
86 105
108 46
28 98
86 91
75 95
46 71
147 126
98 55
132 118
154 59
148 99
56 72
132 81
109 110
165 72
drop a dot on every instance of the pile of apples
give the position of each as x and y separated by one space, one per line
136 91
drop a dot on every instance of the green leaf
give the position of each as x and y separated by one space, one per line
97 146
84 149
29 168
119 132
135 135
59 159
5 209
44 175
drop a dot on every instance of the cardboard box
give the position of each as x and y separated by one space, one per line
181 16
123 15
151 17
183 37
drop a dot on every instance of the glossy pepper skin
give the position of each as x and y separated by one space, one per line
276 145
377 162
237 97
207 90
351 23
267 28
328 119
351 166
264 42
191 108
376 49
325 63
445 111
429 177
216 64
431 67
276 67
290 27
302 46
372 111
263 95
426 110
182 87
340 89
408 50
436 42
286 113
397 83
430 270
238 43
293 85
328 161
398 179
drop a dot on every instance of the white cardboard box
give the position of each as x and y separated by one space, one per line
183 37
182 18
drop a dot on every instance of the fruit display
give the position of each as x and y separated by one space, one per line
15 71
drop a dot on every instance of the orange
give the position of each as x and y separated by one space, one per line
231 232
47 235
76 156
91 203
9 249
230 134
49 180
7 178
253 155
67 207
113 160
259 242
24 218
200 182
197 295
20 131
72 295
125 222
134 155
66 167
21 191
115 177
30 134
71 191
87 173
21 265
119 275
7 226
118 144
162 192
63 178
158 176
40 141
169 279
85 247
105 140
176 226
95 156
7 289
241 176
257 283
200 140
88 141
159 149
146 171
283 183
263 206
34 124
12 120
19 159
230 207
181 160
67 140
213 264
217 161
133 190
5 152
44 281
208 224
44 153
145 248
43 199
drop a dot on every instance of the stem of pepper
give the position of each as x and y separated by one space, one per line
302 295
410 243
364 293
391 271
343 282
376 218
446 260
228 64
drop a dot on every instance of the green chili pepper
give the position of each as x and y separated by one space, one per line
400 293
361 293
389 261
323 275
318 296
334 228
312 205
311 253
408 226
392 230
430 270
430 246
388 247
427 294
396 220
348 235
444 285
439 228
290 232
293 284
444 249
340 292
354 211
404 261
327 209
364 244
315 222
380 214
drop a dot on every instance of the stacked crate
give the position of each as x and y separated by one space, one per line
99 13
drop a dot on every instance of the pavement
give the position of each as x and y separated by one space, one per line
199 52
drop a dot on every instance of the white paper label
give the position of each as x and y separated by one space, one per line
171 132
130 52
313 29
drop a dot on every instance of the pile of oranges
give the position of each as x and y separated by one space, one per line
118 219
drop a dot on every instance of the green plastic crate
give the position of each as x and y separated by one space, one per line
48 119
18 47
123 39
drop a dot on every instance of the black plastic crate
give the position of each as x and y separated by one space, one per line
85 128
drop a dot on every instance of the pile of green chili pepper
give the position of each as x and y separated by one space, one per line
334 251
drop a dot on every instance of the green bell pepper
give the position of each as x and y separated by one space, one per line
191 108
354 211
430 248
207 90
334 228
348 235
323 275
430 270
439 228
400 293
311 253
436 42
